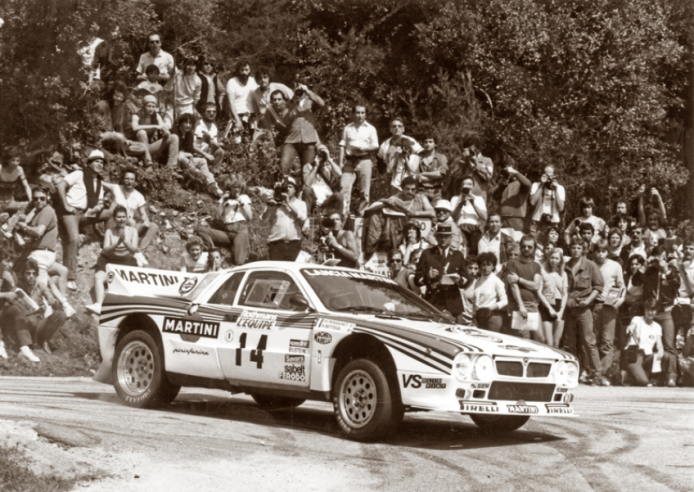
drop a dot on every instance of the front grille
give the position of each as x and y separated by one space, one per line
503 390
538 370
509 368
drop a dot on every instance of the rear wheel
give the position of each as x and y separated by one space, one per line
138 372
366 405
270 402
499 423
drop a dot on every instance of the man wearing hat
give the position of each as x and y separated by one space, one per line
81 196
443 211
441 270
286 216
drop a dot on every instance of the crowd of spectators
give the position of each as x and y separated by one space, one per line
488 246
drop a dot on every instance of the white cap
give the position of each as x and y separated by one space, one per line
96 154
444 204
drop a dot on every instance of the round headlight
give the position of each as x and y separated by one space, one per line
571 374
462 367
484 368
560 372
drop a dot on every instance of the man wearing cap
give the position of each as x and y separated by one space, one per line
433 168
81 196
286 219
318 178
443 211
441 270
359 140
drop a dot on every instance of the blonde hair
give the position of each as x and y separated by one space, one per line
550 252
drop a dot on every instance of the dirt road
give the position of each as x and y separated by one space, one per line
624 439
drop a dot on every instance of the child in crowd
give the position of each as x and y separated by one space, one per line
151 87
194 260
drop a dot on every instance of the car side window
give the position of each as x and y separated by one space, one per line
226 294
269 290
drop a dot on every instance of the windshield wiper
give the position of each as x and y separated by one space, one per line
367 310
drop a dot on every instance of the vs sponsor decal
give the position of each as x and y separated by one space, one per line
294 359
188 284
190 351
256 321
525 409
323 338
187 327
416 381
294 372
334 325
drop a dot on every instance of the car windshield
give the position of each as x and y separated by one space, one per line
367 293
202 285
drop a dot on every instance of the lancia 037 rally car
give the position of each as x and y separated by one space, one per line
288 332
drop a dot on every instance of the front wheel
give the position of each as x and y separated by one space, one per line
138 372
499 423
366 406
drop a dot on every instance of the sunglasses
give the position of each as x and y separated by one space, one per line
396 260
40 198
31 273
152 41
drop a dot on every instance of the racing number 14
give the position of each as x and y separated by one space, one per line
256 355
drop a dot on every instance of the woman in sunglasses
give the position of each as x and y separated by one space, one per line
399 272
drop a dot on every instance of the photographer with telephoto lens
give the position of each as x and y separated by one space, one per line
286 214
547 199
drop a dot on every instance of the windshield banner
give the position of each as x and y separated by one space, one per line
131 281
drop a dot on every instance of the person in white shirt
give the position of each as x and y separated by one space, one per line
400 155
489 296
239 89
231 223
206 139
286 214
470 213
443 210
187 88
194 260
586 205
158 57
359 141
546 200
494 240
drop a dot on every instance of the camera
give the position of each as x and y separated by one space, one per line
279 189
546 218
548 181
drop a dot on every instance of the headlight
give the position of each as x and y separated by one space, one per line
560 372
572 374
462 367
484 368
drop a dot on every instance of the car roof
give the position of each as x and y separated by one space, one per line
290 265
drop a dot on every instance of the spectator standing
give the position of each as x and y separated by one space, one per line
318 182
524 280
359 141
614 245
150 130
82 197
585 285
472 165
672 243
400 154
441 270
120 248
11 178
275 122
651 219
549 241
286 217
211 88
191 159
343 244
553 296
239 89
433 169
587 233
125 195
443 210
637 246
158 57
490 295
402 275
231 223
412 240
547 199
194 260
107 62
586 205
606 306
260 96
467 291
494 241
187 88
206 139
512 194
470 213
301 138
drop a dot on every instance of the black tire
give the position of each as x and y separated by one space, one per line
271 402
138 372
499 423
366 405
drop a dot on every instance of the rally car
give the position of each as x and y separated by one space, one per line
288 332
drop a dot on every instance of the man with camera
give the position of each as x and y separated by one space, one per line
399 154
286 214
337 243
472 164
512 195
318 179
301 135
547 200
470 213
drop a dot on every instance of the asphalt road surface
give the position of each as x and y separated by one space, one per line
635 439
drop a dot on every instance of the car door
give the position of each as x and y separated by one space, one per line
270 338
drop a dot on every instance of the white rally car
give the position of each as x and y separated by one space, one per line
288 332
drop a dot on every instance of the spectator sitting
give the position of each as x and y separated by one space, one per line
646 333
490 297
188 160
546 200
399 154
127 196
151 87
149 130
402 275
512 195
211 89
586 206
120 248
8 282
81 194
637 246
11 176
25 329
116 122
206 139
194 260
553 296
214 260
443 212
318 179
186 88
386 222
470 213
230 226
494 240
433 169
286 214
412 240
342 244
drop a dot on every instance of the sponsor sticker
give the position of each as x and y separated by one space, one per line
480 386
341 273
334 325
188 284
323 338
293 372
255 320
471 332
525 409
294 359
152 278
298 346
477 407
519 349
190 327
189 351
562 390
416 381
229 336
559 409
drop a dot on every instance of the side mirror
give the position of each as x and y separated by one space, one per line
300 301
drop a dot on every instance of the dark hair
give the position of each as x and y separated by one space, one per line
120 208
658 250
618 217
359 105
635 226
6 254
152 68
117 86
615 230
688 242
545 233
578 241
240 64
273 93
638 258
193 241
528 238
31 264
128 170
394 252
209 105
586 201
512 246
210 259
264 72
601 245
394 119
586 226
670 224
487 257
185 117
13 153
650 304
409 180
414 226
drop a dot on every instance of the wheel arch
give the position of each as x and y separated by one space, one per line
143 322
